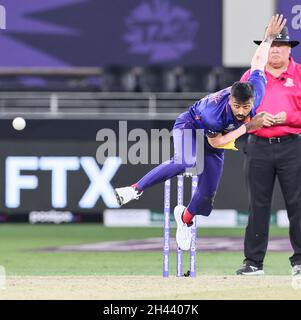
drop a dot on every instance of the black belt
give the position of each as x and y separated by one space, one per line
273 140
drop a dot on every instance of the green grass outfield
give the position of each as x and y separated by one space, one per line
17 240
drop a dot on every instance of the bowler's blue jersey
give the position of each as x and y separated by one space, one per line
213 113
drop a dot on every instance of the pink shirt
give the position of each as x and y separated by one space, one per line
282 94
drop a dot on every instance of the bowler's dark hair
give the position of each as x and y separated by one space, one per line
242 91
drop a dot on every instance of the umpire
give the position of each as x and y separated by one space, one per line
275 151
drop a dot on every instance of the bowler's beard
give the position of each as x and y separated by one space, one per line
242 118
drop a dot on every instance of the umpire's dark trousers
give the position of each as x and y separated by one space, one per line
266 159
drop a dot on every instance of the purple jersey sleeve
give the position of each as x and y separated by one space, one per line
212 114
258 79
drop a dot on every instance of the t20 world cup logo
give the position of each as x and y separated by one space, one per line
163 31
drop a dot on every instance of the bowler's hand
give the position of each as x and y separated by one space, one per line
256 122
269 119
262 119
280 118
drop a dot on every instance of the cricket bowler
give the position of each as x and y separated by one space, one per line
223 117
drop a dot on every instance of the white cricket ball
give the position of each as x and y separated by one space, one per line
19 123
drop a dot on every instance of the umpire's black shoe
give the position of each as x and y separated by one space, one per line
248 270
